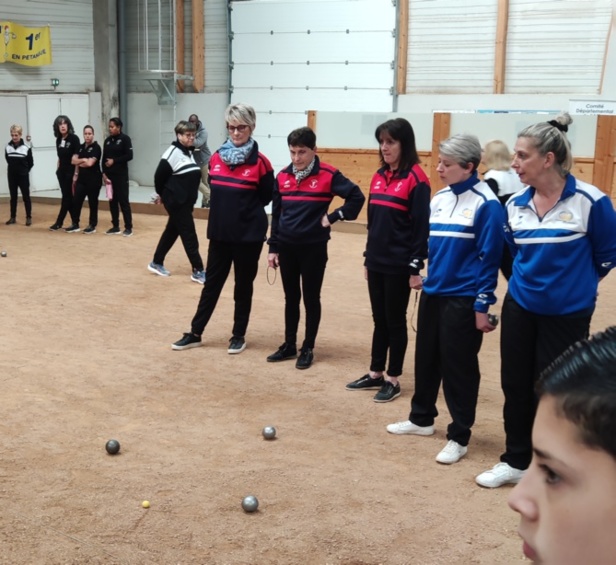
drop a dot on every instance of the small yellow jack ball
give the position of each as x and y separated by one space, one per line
145 504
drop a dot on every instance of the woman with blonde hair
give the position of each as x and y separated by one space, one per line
562 235
241 180
19 162
504 181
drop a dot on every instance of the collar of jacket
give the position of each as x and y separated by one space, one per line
315 169
460 187
569 190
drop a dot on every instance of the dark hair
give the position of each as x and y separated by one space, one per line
302 137
184 126
117 122
583 383
62 119
88 126
400 130
193 116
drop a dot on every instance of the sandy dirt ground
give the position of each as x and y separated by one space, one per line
85 356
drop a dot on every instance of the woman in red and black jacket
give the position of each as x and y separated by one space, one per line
397 246
300 232
67 145
241 180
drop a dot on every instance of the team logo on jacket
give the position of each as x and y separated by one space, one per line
246 173
313 184
467 213
216 168
377 185
287 184
398 187
565 216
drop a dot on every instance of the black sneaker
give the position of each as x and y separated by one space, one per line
236 345
127 232
285 351
366 383
389 391
55 227
188 341
28 221
73 228
113 231
305 359
90 229
10 221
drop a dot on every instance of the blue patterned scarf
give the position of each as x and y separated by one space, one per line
232 155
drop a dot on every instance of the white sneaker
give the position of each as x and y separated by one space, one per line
407 427
499 475
451 453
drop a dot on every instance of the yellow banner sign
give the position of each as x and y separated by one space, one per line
29 46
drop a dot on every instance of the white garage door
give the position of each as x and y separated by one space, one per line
289 57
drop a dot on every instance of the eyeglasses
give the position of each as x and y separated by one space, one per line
240 129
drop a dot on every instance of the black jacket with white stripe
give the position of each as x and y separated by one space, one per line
177 176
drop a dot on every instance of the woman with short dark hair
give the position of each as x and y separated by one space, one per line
117 152
87 180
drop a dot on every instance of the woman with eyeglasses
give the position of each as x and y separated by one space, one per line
241 180
176 181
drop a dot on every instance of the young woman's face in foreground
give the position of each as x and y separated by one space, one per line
567 498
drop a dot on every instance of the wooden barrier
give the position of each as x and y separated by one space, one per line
359 165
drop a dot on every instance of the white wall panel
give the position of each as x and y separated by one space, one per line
292 56
72 46
328 76
265 16
557 46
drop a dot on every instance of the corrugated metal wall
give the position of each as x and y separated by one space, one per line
216 46
557 47
553 46
451 46
72 46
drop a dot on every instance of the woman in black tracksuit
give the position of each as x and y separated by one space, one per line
88 179
241 180
67 145
117 152
19 162
397 246
176 181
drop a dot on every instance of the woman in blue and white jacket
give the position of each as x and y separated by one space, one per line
562 234
464 253
176 181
